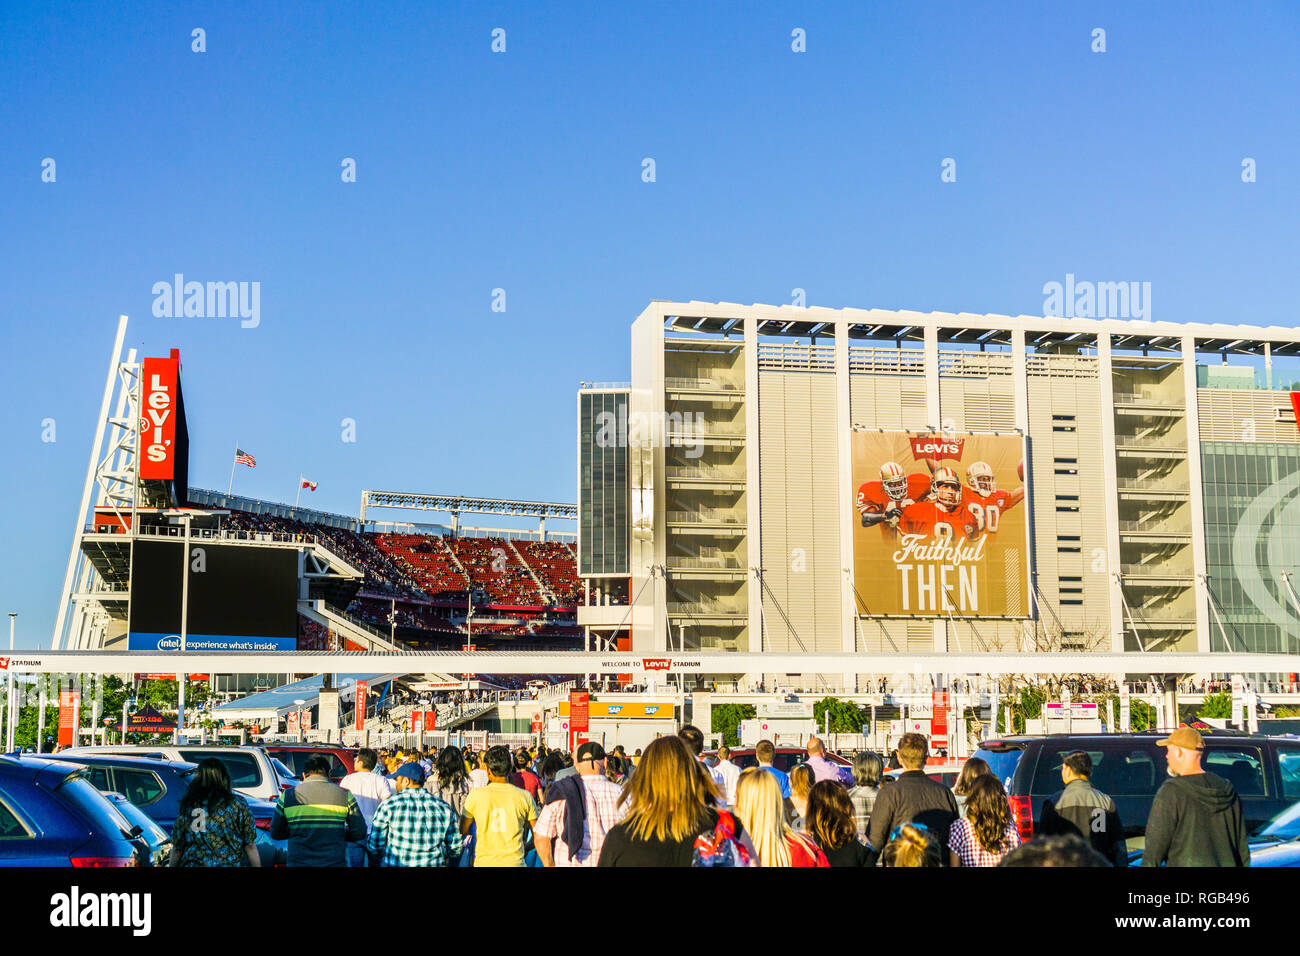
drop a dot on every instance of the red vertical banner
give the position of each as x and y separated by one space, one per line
361 705
158 417
69 713
430 720
939 714
291 721
1295 406
579 710
417 725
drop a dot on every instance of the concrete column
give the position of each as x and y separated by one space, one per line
1109 477
844 423
932 411
1192 422
1020 379
753 511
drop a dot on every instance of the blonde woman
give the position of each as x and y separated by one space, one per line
671 814
801 784
762 811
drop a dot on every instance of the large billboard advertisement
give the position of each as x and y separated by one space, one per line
241 598
940 525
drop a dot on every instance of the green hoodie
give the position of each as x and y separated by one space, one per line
1196 820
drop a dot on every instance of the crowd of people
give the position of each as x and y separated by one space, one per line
670 806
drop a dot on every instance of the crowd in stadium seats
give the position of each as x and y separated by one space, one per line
492 564
554 563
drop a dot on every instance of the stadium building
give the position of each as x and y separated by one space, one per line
783 479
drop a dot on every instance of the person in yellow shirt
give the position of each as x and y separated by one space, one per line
501 814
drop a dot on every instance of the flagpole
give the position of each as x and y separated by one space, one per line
230 487
298 497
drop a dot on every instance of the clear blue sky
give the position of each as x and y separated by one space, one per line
522 171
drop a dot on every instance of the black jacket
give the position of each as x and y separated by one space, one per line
1196 820
912 798
1086 812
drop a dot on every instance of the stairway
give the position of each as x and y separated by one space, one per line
547 595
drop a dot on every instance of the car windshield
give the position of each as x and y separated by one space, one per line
1001 762
282 770
1284 826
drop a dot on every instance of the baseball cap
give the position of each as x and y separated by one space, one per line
1183 737
412 771
590 751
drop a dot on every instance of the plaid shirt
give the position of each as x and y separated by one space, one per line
963 842
603 812
414 828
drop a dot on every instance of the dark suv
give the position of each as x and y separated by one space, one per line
1265 771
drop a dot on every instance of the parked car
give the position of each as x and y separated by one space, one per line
158 842
252 770
51 815
295 758
1265 771
156 788
945 773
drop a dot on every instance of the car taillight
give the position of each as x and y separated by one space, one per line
1022 812
103 861
262 823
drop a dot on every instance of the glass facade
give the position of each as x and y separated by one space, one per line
602 483
1252 527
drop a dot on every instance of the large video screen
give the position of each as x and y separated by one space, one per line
240 597
940 525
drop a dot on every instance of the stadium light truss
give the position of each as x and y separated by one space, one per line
460 504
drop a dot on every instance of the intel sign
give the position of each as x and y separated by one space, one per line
142 641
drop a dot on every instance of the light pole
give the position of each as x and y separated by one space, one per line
9 690
185 606
298 703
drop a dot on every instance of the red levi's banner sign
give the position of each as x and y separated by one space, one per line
362 688
430 719
579 710
656 663
935 448
158 418
69 711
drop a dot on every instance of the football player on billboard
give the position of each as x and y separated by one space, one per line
882 502
943 514
984 501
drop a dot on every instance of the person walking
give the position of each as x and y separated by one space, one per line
500 814
370 790
413 827
822 768
214 826
729 773
523 777
693 737
478 777
765 753
579 813
973 768
318 818
762 812
449 782
1083 810
913 797
672 815
868 774
1196 818
832 826
986 833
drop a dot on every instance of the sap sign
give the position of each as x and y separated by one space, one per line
140 641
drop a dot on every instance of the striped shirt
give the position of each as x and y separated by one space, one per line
319 819
414 828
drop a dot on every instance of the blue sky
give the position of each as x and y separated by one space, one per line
522 171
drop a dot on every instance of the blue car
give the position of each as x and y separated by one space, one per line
50 815
157 786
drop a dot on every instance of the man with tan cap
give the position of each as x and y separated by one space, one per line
1196 818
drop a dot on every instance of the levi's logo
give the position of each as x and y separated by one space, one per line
931 447
656 663
4 663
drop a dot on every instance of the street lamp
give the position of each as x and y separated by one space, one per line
298 703
9 691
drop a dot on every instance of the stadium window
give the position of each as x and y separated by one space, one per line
1067 497
1063 428
1068 537
1070 509
1061 550
1072 601
1071 579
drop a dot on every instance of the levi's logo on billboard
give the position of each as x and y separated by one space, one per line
656 663
158 418
4 663
930 447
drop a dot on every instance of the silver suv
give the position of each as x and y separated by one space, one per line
252 771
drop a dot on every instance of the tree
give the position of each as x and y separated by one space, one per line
846 717
725 719
1216 705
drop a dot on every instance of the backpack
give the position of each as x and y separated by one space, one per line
719 846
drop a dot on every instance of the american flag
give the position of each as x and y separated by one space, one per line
244 458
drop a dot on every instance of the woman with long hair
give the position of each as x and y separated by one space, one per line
911 845
975 767
214 826
670 803
868 774
449 782
832 826
801 784
762 811
987 833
